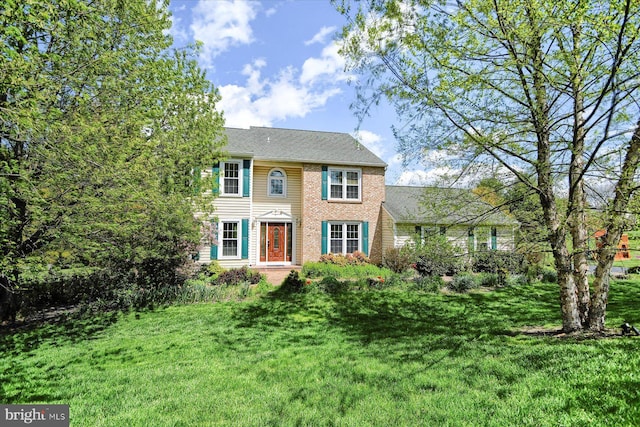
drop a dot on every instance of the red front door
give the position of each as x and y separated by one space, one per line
276 242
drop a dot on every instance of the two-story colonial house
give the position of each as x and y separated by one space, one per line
284 197
287 196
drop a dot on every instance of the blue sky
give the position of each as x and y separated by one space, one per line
276 64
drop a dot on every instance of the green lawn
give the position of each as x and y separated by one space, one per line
378 358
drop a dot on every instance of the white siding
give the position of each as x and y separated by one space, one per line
228 208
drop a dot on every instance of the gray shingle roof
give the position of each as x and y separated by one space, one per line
441 206
291 145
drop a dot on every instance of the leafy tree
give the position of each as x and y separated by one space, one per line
102 129
547 89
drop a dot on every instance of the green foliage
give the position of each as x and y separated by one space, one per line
428 283
321 269
490 280
463 282
549 275
498 261
531 89
518 280
378 283
199 291
331 285
399 260
435 256
103 124
292 283
236 276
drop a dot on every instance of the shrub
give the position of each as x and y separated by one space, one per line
398 260
549 275
236 276
435 256
199 291
518 280
377 282
489 280
331 285
320 269
428 283
356 258
495 261
463 283
634 269
292 283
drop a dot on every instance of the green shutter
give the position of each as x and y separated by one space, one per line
472 240
214 244
325 232
494 238
215 170
246 173
245 238
365 238
325 173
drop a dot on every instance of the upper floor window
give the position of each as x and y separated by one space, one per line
231 178
344 184
234 178
277 185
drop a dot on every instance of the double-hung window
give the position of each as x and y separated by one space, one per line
231 176
345 184
230 239
344 238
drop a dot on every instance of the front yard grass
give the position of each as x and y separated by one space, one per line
356 358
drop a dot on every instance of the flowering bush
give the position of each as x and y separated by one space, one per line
356 258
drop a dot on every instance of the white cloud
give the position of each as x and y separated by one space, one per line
329 66
262 101
176 31
222 24
372 141
321 36
433 177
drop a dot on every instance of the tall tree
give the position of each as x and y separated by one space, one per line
547 89
101 127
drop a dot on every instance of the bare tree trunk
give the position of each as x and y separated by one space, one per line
615 225
571 321
577 218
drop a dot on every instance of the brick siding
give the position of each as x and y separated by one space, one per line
315 210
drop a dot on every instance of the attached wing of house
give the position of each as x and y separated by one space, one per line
468 221
287 196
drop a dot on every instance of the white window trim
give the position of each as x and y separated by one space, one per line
284 184
238 254
344 235
222 177
344 184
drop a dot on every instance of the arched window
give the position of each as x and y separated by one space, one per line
277 183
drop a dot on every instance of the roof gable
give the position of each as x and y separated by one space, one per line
291 145
441 206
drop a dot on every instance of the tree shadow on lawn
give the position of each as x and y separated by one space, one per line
413 323
20 343
64 328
